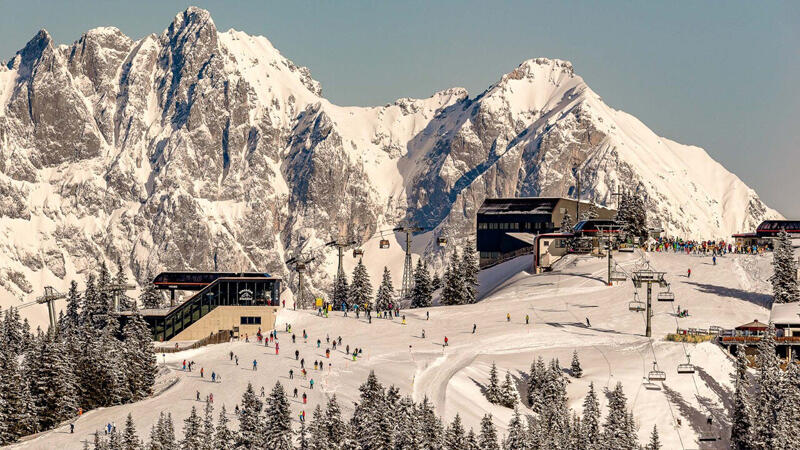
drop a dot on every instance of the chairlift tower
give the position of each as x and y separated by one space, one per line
116 290
408 268
49 297
649 278
341 246
300 265
607 232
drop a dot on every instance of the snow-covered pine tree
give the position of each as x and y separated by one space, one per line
302 438
590 424
436 282
150 298
360 288
487 439
655 443
784 280
535 436
431 429
575 367
140 358
453 290
18 411
742 414
385 295
130 440
618 429
471 441
469 274
589 213
566 224
516 439
421 293
341 290
51 378
454 438
492 392
555 414
770 392
71 322
576 432
251 429
12 331
319 433
508 392
207 432
335 427
278 434
192 431
371 417
114 439
408 433
536 380
224 437
789 410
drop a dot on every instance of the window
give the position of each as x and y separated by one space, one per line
247 320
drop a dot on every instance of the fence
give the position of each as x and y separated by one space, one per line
214 338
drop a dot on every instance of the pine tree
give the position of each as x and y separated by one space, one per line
12 331
371 416
590 423
140 357
192 431
51 378
742 415
469 274
454 438
471 441
130 440
167 433
453 290
789 409
408 436
335 427
575 367
319 433
360 288
771 390
487 439
385 295
508 393
536 380
618 427
655 443
421 294
493 390
576 438
207 432
278 427
150 298
71 322
566 224
431 426
224 438
251 428
784 281
436 282
302 438
341 290
516 439
555 414
16 405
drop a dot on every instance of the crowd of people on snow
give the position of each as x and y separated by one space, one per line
707 247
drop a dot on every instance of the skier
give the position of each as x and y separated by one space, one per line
508 317
305 397
319 343
198 396
315 365
295 393
340 340
427 315
71 428
262 391
213 377
302 416
184 362
714 259
210 398
327 338
305 336
291 374
445 341
293 339
277 348
302 363
347 349
474 327
334 345
255 365
689 273
328 353
423 333
202 371
237 359
527 319
296 355
404 319
587 323
311 384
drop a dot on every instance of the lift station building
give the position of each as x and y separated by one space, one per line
237 302
508 227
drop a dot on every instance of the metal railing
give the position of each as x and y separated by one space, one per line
214 338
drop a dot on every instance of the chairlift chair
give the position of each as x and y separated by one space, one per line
666 296
442 241
687 368
384 242
357 252
617 275
708 435
636 305
655 374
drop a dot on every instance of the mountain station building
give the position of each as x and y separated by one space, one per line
766 232
241 303
509 227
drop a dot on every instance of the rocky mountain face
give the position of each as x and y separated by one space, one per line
200 149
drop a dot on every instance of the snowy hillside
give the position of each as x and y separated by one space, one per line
611 350
196 149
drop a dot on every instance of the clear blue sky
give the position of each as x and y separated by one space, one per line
718 74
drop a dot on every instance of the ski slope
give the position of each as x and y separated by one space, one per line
612 349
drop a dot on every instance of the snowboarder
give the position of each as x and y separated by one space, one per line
474 327
210 398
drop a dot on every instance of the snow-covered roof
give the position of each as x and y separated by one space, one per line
785 314
754 325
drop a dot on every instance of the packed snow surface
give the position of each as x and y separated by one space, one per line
612 349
